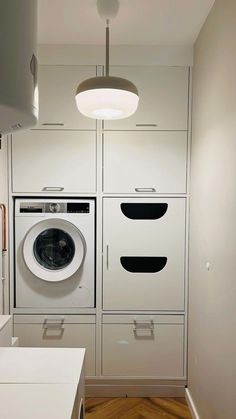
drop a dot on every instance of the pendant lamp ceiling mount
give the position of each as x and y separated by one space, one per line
107 97
108 9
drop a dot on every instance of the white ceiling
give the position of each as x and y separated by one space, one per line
139 22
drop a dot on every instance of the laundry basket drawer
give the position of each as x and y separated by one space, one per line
143 346
70 331
144 254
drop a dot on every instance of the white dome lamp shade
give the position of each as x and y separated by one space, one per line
107 97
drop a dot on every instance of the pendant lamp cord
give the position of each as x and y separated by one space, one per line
107 48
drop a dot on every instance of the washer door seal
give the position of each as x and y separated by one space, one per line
54 249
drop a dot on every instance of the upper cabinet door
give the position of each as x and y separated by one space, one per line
163 98
57 88
136 162
54 161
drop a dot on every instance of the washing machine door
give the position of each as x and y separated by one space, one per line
54 249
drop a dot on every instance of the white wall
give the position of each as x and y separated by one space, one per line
3 200
212 325
119 55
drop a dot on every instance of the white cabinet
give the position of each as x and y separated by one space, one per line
54 161
57 88
137 162
163 93
6 330
136 346
65 331
144 253
38 401
41 383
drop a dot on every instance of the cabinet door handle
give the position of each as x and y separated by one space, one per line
107 256
53 188
145 190
53 124
146 125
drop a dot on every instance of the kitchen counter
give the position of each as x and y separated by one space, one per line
41 365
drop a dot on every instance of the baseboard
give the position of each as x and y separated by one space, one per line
191 404
102 390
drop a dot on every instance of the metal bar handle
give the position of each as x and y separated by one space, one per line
53 323
53 124
53 188
107 256
145 190
146 125
107 47
143 326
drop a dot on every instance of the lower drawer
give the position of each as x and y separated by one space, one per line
143 346
59 331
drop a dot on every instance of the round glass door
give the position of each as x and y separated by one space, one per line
54 249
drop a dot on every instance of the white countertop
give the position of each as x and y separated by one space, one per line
4 320
41 365
37 401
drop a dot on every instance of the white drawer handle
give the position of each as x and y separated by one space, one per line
145 190
53 188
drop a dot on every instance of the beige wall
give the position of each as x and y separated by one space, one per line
212 325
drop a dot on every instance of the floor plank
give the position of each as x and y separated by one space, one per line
136 408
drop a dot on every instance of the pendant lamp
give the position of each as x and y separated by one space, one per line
107 97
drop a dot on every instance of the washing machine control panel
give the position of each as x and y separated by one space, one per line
55 207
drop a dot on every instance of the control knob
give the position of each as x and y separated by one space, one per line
54 207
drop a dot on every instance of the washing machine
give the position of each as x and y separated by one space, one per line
54 253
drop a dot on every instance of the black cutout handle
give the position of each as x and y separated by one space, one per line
144 211
143 264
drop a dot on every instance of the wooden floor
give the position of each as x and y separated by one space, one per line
136 408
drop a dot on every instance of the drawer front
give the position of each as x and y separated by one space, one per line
137 162
144 257
145 318
55 333
143 349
